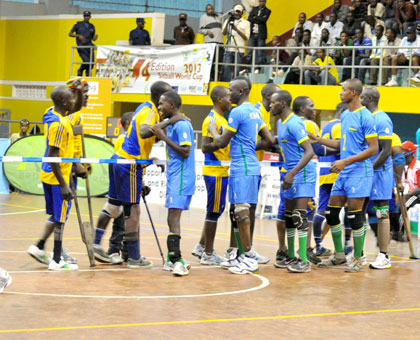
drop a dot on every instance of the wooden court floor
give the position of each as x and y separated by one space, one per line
111 302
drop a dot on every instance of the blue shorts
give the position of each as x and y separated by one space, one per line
244 189
352 187
128 182
310 211
216 193
55 205
175 201
383 182
112 189
324 196
299 190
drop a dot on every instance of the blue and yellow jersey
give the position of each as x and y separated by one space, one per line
245 120
135 147
180 171
310 126
396 140
58 132
292 133
356 127
265 115
77 119
218 155
119 141
384 129
330 131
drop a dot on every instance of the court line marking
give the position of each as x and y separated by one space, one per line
21 212
258 318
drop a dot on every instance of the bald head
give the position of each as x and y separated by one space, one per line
63 99
372 94
239 91
268 90
355 85
218 92
282 96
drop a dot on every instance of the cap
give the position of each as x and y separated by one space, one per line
411 29
24 122
183 16
238 8
86 14
409 146
70 82
140 20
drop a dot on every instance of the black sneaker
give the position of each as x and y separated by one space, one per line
311 256
280 255
299 266
285 262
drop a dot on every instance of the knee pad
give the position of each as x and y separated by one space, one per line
300 220
127 209
332 215
381 212
288 219
112 210
174 251
241 211
355 219
131 237
212 216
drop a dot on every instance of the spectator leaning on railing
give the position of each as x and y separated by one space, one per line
340 10
303 24
360 54
318 75
341 52
377 41
370 25
335 27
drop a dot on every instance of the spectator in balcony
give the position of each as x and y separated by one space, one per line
370 26
360 54
318 27
258 21
389 15
359 11
403 54
391 40
350 26
293 53
211 26
335 27
183 34
405 15
303 24
139 36
342 52
378 41
319 74
24 128
85 34
340 10
293 76
376 9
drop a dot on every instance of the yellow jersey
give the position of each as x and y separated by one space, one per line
77 119
119 141
396 140
331 131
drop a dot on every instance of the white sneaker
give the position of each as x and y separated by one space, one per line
229 263
180 269
211 260
381 262
198 250
244 71
65 256
62 266
168 266
116 258
246 265
230 253
100 254
392 83
280 73
349 258
38 254
259 258
5 280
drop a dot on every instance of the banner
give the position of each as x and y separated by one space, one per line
134 69
25 176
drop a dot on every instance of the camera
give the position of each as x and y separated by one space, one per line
232 17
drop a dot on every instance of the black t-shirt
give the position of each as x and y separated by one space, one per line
140 37
85 29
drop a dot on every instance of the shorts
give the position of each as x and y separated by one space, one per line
382 185
175 201
112 189
310 211
244 189
324 196
300 190
352 187
216 193
55 205
128 182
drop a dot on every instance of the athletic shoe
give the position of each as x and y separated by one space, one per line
211 260
355 265
348 249
323 252
141 263
382 262
285 262
246 265
311 256
244 71
299 266
198 250
38 254
62 266
67 257
280 255
415 81
230 253
334 260
180 269
349 258
116 258
257 71
100 254
5 280
229 263
168 266
259 258
392 83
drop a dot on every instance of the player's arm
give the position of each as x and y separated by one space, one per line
307 156
64 188
385 152
267 140
146 129
222 140
331 143
182 150
207 145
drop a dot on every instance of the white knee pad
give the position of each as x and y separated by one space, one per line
241 207
112 210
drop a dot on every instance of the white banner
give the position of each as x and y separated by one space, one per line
134 69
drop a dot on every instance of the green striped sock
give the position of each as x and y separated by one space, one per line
358 240
291 242
303 235
337 238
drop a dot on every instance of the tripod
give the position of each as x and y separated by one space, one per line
228 58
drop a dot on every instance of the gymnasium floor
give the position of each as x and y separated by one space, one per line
110 302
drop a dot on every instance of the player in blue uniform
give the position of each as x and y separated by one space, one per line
353 185
383 178
244 126
180 174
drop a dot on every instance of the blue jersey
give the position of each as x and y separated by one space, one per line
330 131
356 127
384 129
180 172
245 120
291 133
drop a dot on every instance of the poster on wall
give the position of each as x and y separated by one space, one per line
133 69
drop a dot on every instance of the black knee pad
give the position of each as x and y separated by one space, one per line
332 215
232 213
212 216
300 219
288 219
127 209
174 251
355 219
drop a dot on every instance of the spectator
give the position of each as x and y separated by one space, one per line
340 10
403 54
405 15
335 27
85 33
283 56
183 34
359 11
391 40
318 75
258 21
139 36
411 175
326 41
293 76
341 53
24 127
377 41
238 32
318 27
370 25
376 9
350 26
293 53
389 15
360 54
303 24
307 41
